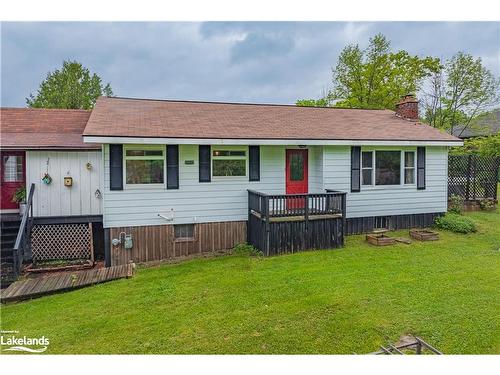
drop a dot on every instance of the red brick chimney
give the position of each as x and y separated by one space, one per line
407 108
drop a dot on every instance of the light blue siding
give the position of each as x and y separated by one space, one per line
226 199
223 199
388 200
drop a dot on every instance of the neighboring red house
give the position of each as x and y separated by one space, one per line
35 143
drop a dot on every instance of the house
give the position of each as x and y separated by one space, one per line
183 178
487 124
44 148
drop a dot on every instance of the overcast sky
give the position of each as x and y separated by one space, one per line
274 62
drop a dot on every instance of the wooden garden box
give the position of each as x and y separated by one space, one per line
380 239
424 235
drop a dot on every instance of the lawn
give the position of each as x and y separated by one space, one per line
348 300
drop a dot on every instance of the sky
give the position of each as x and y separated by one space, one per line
258 62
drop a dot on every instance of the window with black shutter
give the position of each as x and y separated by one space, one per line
172 167
204 163
355 168
116 167
254 163
420 168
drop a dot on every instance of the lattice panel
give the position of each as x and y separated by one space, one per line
473 177
62 242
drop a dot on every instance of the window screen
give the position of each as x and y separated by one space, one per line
184 231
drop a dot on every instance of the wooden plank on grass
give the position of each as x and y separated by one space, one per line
36 287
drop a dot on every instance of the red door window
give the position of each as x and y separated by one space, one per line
12 177
296 176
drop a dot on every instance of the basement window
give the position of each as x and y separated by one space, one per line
184 232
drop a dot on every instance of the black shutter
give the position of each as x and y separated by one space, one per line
172 167
420 168
116 167
254 163
355 167
204 163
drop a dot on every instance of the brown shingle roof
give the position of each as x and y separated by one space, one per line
123 117
28 128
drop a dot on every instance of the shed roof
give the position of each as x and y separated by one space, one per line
147 118
37 128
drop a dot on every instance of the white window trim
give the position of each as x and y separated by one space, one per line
372 168
228 148
401 184
414 167
144 147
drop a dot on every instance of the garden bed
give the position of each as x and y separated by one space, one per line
424 235
380 239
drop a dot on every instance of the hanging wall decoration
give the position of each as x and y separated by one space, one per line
46 177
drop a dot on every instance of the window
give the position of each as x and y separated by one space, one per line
409 167
144 166
367 168
297 167
387 167
229 162
184 232
13 168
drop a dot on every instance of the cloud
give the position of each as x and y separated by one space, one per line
261 46
275 62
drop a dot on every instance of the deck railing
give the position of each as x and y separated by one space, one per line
22 245
305 206
280 223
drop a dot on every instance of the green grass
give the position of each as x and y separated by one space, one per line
332 301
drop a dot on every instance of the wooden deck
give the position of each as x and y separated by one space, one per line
31 288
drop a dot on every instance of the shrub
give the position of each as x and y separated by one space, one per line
19 195
487 204
456 204
455 223
246 249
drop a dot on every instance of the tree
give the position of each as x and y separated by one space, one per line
486 146
376 77
464 90
323 102
71 87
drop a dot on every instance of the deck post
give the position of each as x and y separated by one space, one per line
248 219
266 218
107 248
344 219
306 219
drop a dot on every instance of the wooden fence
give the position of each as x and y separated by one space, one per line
473 177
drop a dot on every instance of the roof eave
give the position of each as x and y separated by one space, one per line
267 141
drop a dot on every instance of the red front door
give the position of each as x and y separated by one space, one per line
296 176
12 176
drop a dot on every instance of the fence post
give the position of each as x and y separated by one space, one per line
467 182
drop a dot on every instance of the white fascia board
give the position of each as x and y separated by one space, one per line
220 141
